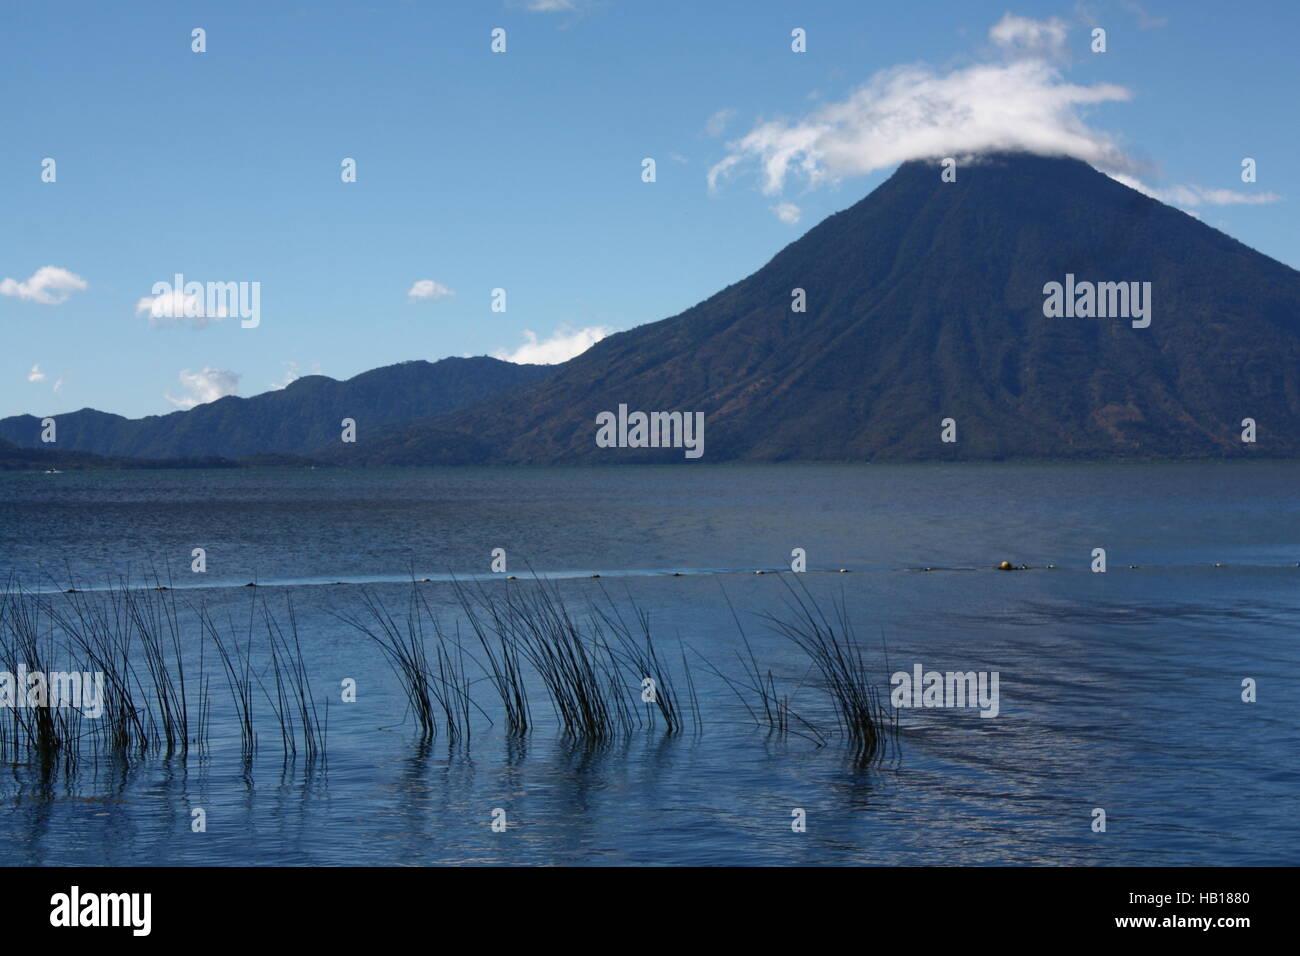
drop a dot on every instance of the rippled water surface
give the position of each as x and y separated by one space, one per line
1119 690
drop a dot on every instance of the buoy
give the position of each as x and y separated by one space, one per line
595 575
1051 566
1006 566
250 584
844 570
760 571
161 587
677 574
511 577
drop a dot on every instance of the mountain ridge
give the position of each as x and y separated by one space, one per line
296 419
925 302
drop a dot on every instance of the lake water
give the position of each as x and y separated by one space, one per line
1120 691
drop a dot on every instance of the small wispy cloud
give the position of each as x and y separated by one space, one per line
177 308
716 124
292 373
206 385
1197 195
551 6
563 345
1021 36
787 212
36 375
1145 20
48 285
427 289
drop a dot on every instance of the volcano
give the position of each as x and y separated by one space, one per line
925 301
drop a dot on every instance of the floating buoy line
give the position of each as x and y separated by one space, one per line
1003 565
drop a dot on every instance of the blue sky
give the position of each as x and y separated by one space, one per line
523 170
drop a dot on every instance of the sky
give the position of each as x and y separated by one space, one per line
524 170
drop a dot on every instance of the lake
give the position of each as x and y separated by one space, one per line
1119 691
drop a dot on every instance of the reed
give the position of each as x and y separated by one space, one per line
237 664
101 631
757 692
836 654
404 648
520 639
637 652
157 625
504 668
578 673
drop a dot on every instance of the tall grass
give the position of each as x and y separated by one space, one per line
141 645
236 662
293 705
504 666
591 671
522 642
757 692
403 645
41 734
637 651
833 649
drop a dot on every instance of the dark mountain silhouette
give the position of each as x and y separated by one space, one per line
925 302
296 419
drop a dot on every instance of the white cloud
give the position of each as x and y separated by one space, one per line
563 345
1198 196
1145 20
48 285
428 289
205 386
912 112
787 212
177 308
1019 102
36 375
716 124
58 385
292 374
1021 36
551 6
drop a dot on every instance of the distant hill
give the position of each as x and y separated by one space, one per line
925 302
13 458
303 416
